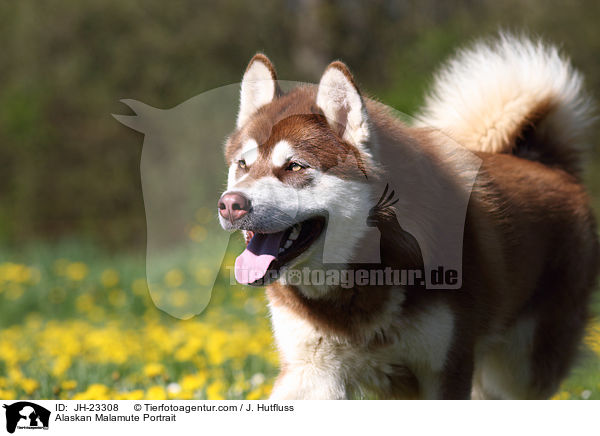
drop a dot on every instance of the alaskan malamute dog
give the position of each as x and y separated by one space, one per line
315 171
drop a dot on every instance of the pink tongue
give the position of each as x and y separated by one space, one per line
254 262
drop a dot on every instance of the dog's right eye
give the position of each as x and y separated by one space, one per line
242 164
295 166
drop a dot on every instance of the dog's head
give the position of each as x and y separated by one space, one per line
299 165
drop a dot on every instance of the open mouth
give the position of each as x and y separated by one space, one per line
267 253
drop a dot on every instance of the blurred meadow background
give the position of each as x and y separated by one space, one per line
76 318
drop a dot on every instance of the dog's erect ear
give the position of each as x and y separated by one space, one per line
259 87
339 99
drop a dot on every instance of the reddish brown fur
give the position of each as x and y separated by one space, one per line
295 118
530 246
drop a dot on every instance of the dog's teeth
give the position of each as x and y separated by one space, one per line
295 232
288 243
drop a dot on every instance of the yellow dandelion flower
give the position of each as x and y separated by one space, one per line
68 385
29 385
181 395
174 278
255 394
117 298
179 298
592 338
563 395
61 364
76 271
153 369
216 390
14 291
84 303
13 272
215 347
137 394
109 278
193 382
95 391
189 350
198 233
8 394
156 392
23 274
15 375
140 287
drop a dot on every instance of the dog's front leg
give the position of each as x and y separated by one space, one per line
454 382
309 383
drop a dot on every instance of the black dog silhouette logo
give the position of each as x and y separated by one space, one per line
26 415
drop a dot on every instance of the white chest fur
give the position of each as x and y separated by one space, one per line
320 364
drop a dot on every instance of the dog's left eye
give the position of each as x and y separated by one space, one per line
242 164
294 166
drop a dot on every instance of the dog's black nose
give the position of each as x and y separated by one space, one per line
233 205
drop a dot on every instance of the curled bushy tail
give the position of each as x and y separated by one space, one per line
512 95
